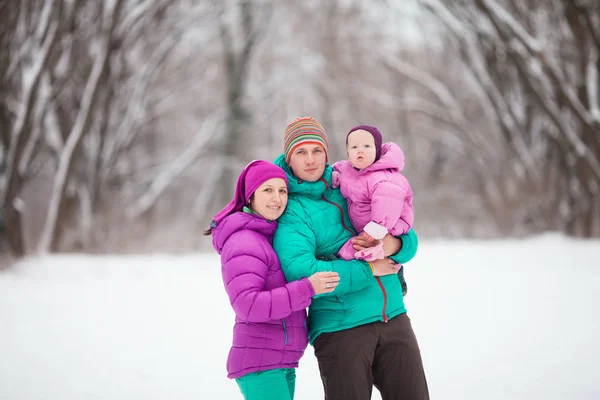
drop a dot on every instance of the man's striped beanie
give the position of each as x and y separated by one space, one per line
303 131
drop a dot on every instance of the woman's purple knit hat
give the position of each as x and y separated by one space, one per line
376 135
253 175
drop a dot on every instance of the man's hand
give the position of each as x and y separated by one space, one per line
391 245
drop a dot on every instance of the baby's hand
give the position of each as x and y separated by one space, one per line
335 179
372 253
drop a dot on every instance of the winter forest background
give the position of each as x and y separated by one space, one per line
123 124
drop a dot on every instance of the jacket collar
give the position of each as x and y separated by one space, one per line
299 187
241 221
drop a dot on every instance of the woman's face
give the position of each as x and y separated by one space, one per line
308 162
270 199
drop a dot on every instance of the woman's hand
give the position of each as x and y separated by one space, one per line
384 267
324 282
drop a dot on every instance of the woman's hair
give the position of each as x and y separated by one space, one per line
208 231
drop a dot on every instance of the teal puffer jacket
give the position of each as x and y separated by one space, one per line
311 231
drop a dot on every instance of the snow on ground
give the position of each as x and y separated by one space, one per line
511 319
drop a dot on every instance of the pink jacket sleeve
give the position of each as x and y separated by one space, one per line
336 174
244 274
347 251
387 202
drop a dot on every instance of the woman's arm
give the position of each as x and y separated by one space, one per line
244 273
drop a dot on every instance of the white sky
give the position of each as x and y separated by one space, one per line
495 320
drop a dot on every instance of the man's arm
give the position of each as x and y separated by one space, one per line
295 244
409 243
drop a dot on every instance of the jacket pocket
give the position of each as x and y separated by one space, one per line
285 332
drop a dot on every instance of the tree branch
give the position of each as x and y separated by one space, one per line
30 88
78 130
176 168
496 14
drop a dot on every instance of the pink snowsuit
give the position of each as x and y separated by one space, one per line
378 193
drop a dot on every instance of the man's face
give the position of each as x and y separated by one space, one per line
308 162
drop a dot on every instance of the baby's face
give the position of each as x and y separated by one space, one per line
361 149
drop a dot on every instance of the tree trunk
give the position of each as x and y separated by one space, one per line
13 224
69 208
237 119
237 64
583 226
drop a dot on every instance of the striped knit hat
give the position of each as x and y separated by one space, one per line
303 131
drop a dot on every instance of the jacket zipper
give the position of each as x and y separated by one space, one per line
337 206
385 318
285 332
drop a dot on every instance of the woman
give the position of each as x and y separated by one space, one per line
361 333
269 336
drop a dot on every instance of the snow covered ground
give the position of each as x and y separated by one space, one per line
513 319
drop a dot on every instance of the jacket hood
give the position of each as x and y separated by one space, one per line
241 221
392 157
297 186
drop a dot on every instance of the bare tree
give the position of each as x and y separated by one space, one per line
177 167
120 118
22 68
109 18
68 76
238 48
537 66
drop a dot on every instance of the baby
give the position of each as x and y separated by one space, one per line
380 199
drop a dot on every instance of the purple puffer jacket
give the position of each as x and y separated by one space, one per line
270 323
378 193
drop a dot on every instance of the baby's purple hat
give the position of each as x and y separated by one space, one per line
254 174
376 135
